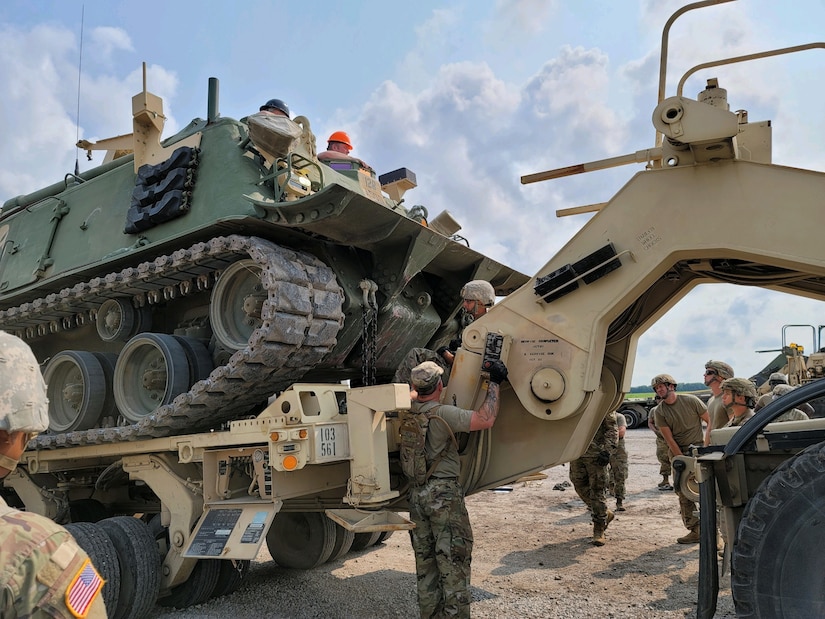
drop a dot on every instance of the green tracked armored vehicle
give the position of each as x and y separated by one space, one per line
181 283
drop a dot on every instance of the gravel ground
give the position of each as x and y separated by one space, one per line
532 558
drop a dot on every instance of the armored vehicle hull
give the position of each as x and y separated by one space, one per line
178 286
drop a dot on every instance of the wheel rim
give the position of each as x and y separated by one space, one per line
115 320
151 371
235 311
76 387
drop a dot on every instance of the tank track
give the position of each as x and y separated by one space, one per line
301 319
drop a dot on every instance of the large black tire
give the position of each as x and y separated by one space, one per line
230 577
776 568
139 566
198 587
301 540
364 540
103 554
343 542
87 510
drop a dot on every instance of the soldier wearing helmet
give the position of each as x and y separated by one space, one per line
477 297
45 573
679 417
776 380
715 373
275 106
739 395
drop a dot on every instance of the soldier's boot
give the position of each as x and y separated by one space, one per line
609 518
620 505
691 538
598 534
665 484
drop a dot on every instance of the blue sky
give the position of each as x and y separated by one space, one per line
470 95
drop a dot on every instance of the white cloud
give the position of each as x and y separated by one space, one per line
39 123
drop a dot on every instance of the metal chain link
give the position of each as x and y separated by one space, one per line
369 331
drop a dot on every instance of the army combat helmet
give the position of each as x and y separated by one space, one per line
721 368
743 387
663 379
479 290
24 406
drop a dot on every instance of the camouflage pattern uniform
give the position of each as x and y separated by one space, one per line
417 356
618 464
442 539
39 560
43 572
590 478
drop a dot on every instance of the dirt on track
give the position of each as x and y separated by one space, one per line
533 557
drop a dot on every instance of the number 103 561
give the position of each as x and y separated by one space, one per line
331 442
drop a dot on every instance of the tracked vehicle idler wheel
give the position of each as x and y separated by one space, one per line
77 389
151 371
236 306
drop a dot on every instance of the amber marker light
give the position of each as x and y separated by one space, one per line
274 436
290 463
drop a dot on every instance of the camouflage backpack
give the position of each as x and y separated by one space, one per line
413 440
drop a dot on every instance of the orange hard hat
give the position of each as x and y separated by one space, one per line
341 136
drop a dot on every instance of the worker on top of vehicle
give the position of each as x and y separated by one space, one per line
275 106
775 380
44 572
715 373
337 155
739 395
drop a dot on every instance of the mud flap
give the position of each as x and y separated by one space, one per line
708 563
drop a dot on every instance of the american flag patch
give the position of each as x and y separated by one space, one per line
83 590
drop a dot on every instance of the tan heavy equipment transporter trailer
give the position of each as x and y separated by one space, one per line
321 461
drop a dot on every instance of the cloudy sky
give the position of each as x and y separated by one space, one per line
469 94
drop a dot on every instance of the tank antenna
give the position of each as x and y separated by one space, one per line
79 67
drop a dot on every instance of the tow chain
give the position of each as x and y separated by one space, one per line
369 335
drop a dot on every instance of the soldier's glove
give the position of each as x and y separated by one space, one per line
442 350
497 370
454 344
603 459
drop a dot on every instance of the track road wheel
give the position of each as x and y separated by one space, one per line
152 370
103 554
139 566
237 301
76 386
776 569
301 540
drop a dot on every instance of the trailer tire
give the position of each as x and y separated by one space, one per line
97 544
775 572
87 510
230 576
365 540
301 540
343 542
634 416
139 566
198 588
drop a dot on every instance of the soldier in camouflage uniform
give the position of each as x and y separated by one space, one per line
590 476
477 297
442 539
43 572
618 465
